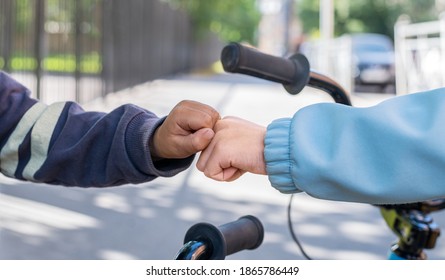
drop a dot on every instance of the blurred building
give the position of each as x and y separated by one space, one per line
279 31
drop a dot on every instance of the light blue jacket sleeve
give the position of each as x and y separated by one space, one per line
391 153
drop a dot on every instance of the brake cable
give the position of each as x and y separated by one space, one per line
291 229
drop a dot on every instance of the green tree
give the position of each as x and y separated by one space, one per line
232 20
24 15
377 16
308 13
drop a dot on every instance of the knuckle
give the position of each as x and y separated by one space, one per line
207 120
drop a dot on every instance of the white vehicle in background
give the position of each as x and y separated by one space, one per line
373 59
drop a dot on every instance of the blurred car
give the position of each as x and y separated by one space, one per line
373 58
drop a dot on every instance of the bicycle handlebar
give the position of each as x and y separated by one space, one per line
330 86
293 73
205 241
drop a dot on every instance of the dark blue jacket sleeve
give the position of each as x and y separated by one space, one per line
63 144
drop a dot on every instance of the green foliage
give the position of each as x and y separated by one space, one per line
24 15
308 12
88 64
377 16
232 20
23 63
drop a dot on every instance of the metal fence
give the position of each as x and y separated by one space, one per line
420 55
83 49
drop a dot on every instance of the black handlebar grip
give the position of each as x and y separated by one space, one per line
245 233
292 72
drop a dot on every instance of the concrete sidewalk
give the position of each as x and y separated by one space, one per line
148 221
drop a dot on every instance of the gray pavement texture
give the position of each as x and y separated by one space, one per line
148 221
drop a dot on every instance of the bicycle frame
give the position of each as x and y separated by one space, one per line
414 227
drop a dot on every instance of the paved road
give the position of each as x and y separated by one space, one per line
148 221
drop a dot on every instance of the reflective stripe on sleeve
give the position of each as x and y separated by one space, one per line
9 156
40 138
